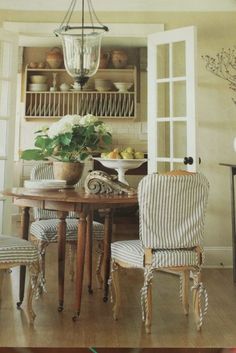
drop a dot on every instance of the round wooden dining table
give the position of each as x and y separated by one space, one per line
64 201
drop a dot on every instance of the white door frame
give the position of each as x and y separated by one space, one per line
8 79
188 36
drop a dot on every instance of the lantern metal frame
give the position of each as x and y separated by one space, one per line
83 32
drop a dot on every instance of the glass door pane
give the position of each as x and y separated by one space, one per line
179 62
171 99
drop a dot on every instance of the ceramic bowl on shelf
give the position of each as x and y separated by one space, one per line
38 87
123 86
64 87
38 78
102 85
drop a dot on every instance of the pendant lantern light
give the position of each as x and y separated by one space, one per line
81 44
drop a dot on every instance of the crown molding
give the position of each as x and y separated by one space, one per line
120 34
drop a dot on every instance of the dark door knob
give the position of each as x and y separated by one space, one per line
188 160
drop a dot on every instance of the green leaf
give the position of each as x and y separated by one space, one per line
89 131
33 154
107 139
42 142
98 122
83 155
66 139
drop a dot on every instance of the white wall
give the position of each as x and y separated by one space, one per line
216 112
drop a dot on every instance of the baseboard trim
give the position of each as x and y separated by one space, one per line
218 257
215 256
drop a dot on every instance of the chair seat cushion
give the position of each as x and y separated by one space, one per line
46 229
131 252
17 250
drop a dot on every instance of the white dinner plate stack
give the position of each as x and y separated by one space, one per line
48 184
38 87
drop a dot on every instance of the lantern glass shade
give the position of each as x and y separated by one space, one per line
81 54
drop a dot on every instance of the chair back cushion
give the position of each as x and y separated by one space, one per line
172 210
44 170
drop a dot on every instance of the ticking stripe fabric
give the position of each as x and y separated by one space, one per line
172 210
17 250
44 170
132 252
46 230
171 215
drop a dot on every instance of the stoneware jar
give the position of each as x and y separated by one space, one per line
104 59
119 59
54 58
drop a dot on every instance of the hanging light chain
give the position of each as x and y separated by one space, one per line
91 12
67 18
92 15
82 45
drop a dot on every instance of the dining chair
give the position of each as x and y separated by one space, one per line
43 229
171 224
16 252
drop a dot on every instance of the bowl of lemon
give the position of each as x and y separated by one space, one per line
122 160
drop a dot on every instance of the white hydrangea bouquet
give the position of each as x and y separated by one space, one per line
73 138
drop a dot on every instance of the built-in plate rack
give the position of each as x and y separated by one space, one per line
105 104
57 104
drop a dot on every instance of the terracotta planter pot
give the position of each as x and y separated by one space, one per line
69 171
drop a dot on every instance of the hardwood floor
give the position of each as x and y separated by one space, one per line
112 350
96 327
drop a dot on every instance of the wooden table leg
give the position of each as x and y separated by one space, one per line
81 244
89 250
61 257
24 234
107 250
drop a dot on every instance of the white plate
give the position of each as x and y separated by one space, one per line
44 184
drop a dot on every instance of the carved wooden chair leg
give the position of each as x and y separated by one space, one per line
41 245
72 255
148 314
115 290
100 253
32 290
197 299
185 291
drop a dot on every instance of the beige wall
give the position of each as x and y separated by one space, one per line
216 111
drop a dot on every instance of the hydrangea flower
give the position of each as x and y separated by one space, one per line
70 139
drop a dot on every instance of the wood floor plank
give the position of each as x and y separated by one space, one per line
96 327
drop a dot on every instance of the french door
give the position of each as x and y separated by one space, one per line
8 77
171 100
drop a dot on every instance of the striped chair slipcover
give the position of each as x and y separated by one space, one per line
44 229
15 252
171 214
